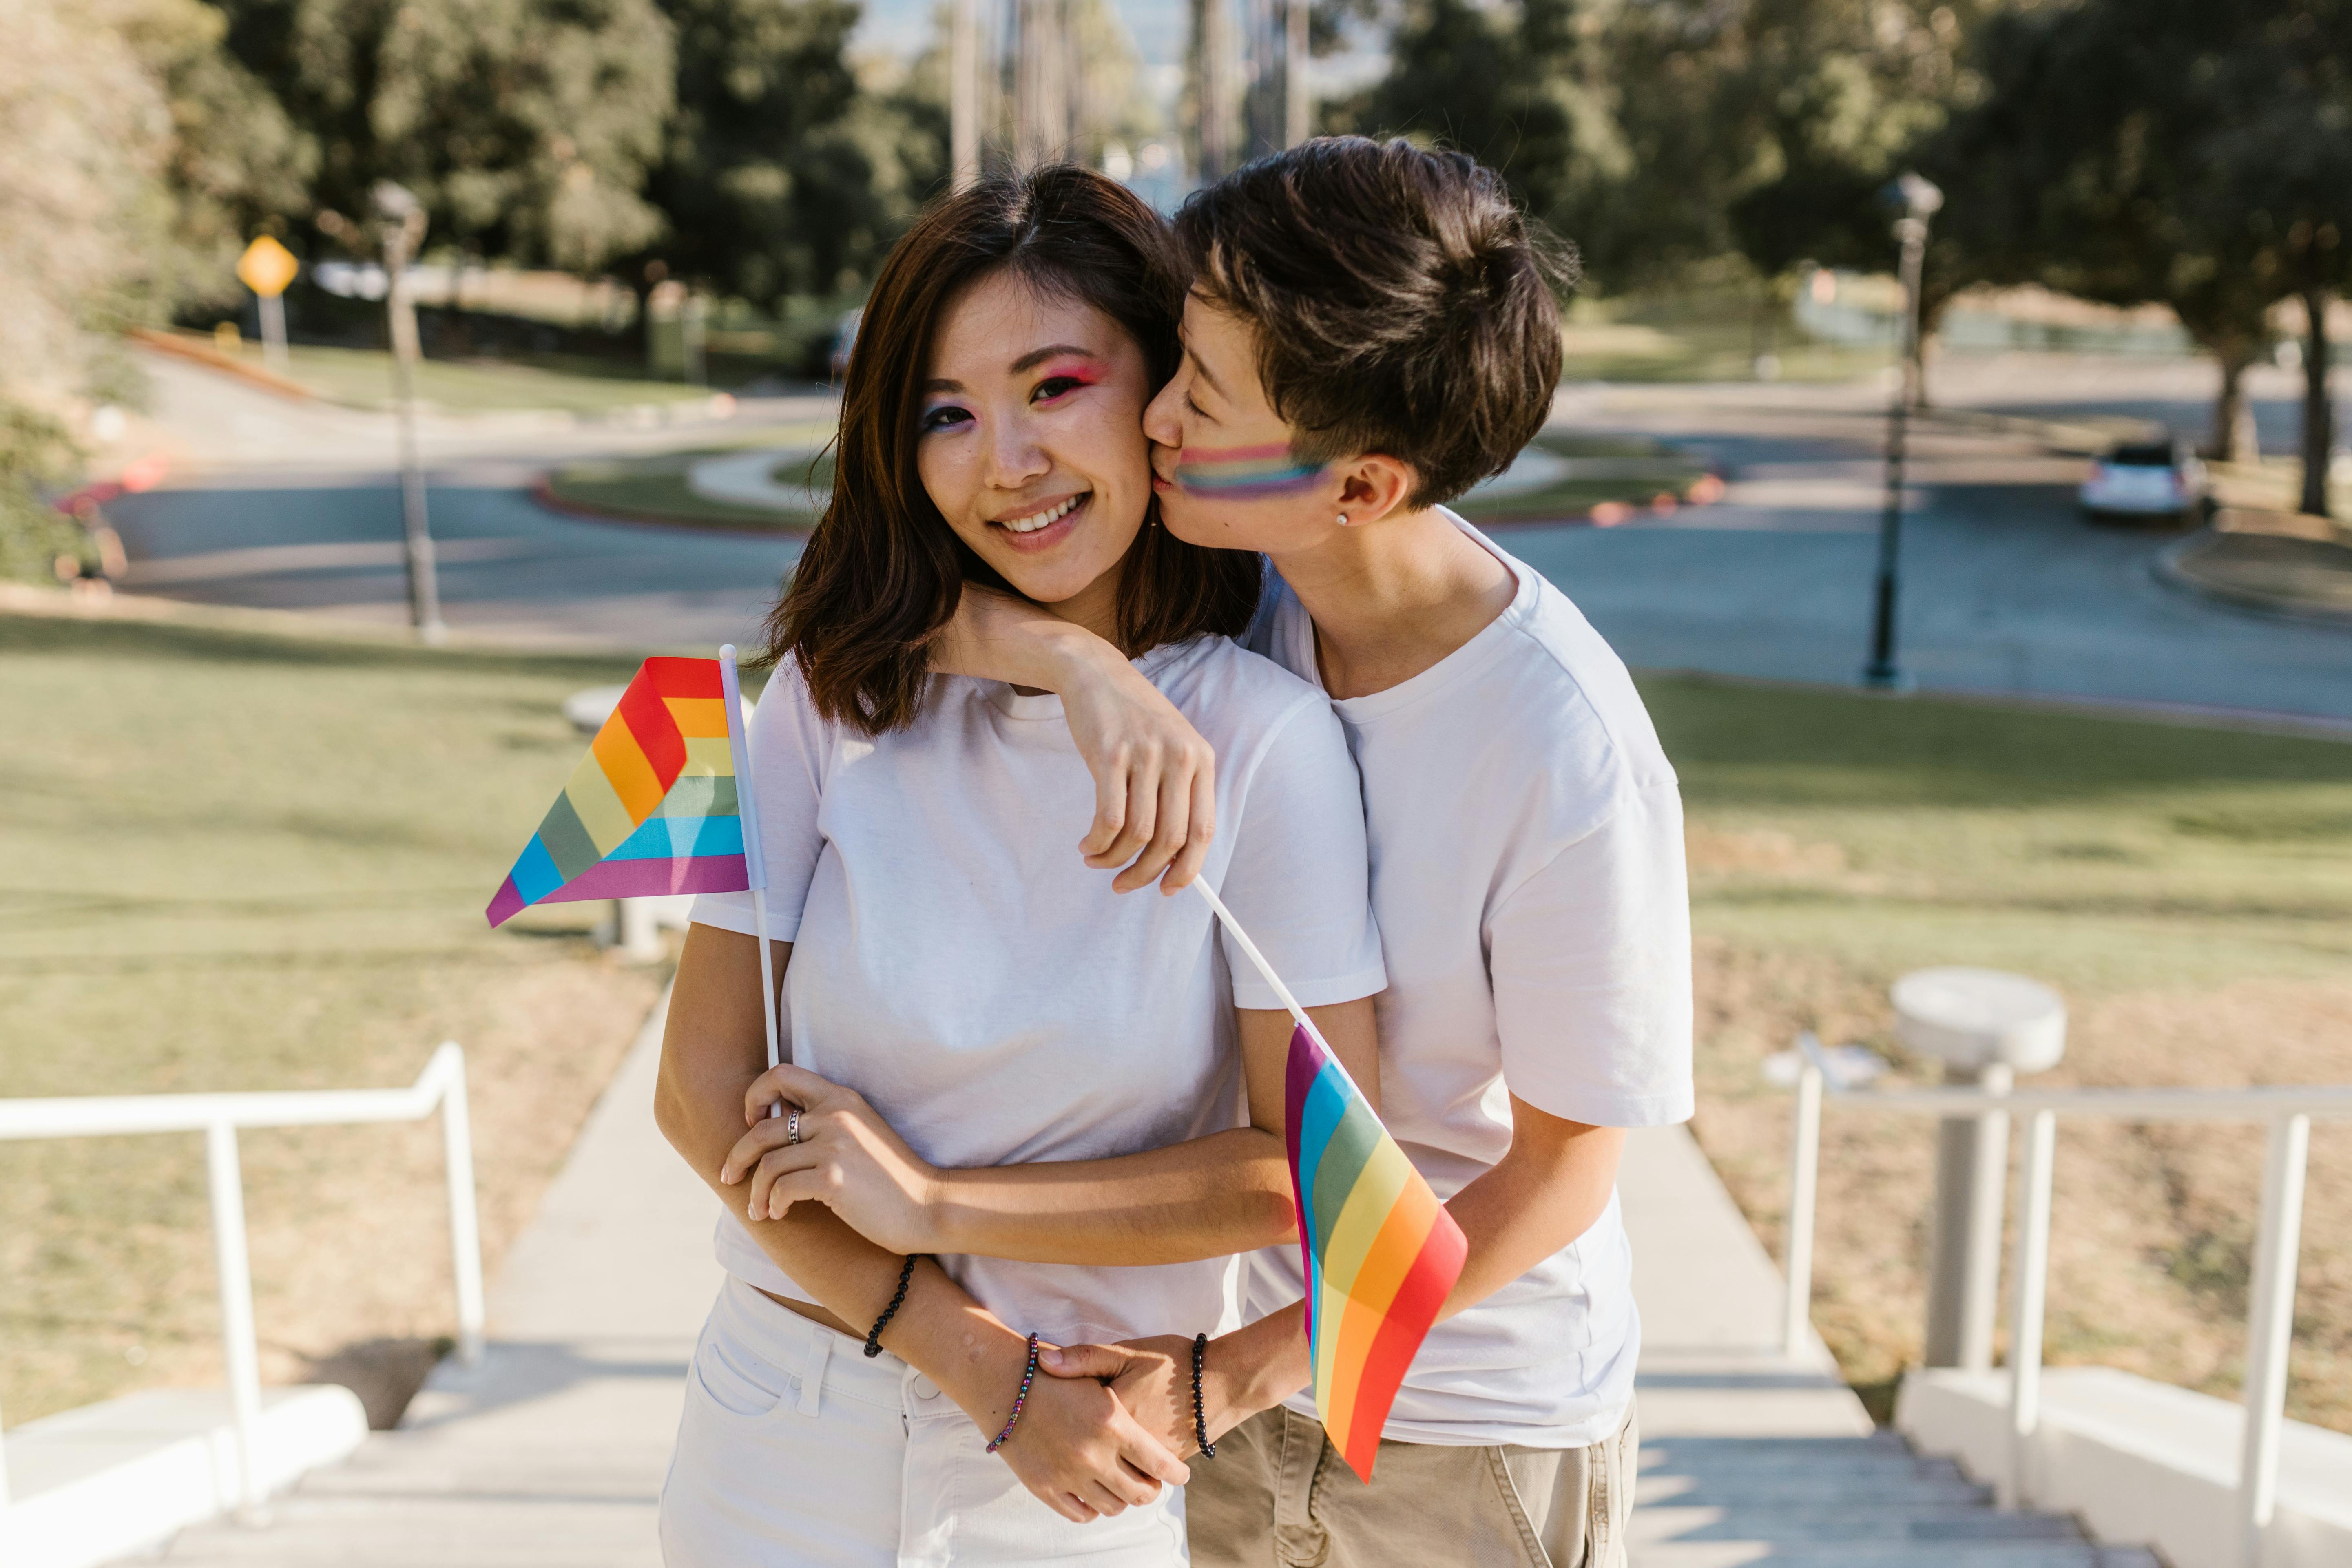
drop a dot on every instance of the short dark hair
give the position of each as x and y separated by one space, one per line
883 571
1402 303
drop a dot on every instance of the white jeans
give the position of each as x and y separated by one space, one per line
797 1451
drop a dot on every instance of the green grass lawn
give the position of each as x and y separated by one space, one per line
362 378
655 490
245 861
1696 339
2190 892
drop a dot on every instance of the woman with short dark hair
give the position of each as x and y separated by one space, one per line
1020 1110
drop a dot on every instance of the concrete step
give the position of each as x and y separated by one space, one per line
1774 1554
1762 1469
1876 1463
1816 1489
1883 1443
1952 1524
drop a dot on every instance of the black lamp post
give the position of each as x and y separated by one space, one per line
1917 199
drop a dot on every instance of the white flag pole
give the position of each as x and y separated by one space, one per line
755 868
1200 884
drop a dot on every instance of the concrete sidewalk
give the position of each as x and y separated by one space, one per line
551 1451
551 1454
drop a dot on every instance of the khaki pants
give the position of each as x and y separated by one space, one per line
1277 1495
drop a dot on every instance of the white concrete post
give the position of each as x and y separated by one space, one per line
1804 1172
1971 1183
2269 1328
2033 1292
633 930
239 1353
464 1227
1985 1025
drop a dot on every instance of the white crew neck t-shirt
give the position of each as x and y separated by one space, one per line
1527 876
956 963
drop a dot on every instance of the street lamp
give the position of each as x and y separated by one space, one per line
402 219
1917 199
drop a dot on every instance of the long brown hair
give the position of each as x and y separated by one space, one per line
883 572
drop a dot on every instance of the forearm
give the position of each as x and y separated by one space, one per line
1260 1364
708 1064
1539 1198
997 636
1209 1197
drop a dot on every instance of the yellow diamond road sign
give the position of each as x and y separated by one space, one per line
266 267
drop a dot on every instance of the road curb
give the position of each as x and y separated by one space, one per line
2172 567
544 493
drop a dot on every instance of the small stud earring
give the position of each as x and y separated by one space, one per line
1343 520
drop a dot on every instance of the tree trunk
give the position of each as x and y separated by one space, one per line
2233 417
2318 413
642 329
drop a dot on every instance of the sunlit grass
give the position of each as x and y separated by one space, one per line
240 861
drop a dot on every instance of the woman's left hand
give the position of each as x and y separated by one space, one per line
848 1159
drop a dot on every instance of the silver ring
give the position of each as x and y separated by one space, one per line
792 1127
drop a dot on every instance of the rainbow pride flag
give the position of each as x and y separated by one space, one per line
654 807
1380 1253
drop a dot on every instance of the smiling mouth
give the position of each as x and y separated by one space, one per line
1046 517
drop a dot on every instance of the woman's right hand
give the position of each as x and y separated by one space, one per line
1076 1448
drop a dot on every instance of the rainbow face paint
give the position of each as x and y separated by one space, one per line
1244 473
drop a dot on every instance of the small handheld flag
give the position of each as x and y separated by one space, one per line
658 805
653 807
1379 1251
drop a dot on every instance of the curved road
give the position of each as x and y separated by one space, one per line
2005 589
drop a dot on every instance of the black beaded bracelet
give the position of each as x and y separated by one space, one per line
874 1334
1199 1414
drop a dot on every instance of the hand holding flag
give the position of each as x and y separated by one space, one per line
1379 1253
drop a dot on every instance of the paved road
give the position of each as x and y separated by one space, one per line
2005 590
508 567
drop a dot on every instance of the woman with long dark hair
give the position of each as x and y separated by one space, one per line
1020 1109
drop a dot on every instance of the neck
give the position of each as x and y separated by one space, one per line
1392 598
1096 608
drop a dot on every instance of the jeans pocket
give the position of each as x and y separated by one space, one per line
739 1383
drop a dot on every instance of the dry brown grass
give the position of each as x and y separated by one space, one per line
235 861
2153 1223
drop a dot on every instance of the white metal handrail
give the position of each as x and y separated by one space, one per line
440 1087
2288 1111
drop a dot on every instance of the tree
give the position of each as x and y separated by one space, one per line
1664 134
235 164
2172 151
2277 164
1521 90
780 175
527 127
84 217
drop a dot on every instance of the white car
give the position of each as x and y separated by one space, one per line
2160 478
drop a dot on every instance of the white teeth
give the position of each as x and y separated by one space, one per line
1051 514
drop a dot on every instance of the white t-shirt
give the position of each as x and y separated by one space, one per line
1527 876
956 963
